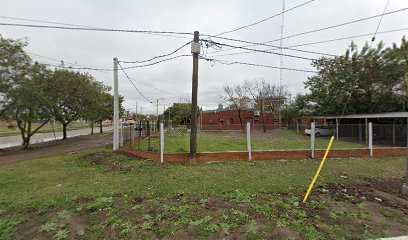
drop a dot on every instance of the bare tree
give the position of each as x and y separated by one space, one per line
268 98
276 98
238 99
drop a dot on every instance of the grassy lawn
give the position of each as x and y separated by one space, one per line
100 194
236 141
4 131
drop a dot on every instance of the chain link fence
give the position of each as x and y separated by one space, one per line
264 137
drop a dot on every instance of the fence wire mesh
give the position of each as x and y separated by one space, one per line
263 137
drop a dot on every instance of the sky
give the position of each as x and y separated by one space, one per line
170 81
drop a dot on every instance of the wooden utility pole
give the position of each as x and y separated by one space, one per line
195 50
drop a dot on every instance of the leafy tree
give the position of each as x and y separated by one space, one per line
102 108
23 89
180 113
73 94
297 108
360 81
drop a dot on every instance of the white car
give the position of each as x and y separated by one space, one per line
321 131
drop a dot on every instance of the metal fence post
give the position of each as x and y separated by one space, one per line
370 138
249 140
161 143
312 138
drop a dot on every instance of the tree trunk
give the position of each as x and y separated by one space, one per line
262 117
64 130
240 121
100 127
92 130
26 142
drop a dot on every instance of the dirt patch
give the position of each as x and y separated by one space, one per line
386 192
111 160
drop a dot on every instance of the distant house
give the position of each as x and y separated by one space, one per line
228 119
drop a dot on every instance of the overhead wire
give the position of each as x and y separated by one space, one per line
339 25
160 56
379 23
154 63
127 76
269 45
70 63
263 20
98 29
263 51
324 28
314 43
372 41
105 71
254 65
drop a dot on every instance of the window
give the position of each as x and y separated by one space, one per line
230 121
210 121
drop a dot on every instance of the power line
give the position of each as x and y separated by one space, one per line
75 25
317 42
254 65
263 20
133 83
379 23
340 25
105 71
44 21
78 68
92 29
154 63
268 45
262 51
325 28
160 56
74 64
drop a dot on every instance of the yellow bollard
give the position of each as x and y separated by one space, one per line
319 170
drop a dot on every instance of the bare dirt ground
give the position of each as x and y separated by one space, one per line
45 149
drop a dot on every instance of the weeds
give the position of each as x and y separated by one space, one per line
8 226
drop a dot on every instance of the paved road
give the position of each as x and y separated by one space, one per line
52 148
12 141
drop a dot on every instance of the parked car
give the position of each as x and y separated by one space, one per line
321 131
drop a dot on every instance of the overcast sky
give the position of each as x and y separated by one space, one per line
172 80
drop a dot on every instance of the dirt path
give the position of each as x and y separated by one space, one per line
45 149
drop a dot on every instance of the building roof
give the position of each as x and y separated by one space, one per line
226 110
369 115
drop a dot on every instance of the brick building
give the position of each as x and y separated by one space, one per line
228 119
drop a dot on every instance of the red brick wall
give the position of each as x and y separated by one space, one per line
216 116
266 155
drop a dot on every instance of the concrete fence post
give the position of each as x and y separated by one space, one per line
297 127
161 143
121 135
312 139
249 140
370 138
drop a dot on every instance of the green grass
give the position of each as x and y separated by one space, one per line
236 141
66 178
4 131
141 199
